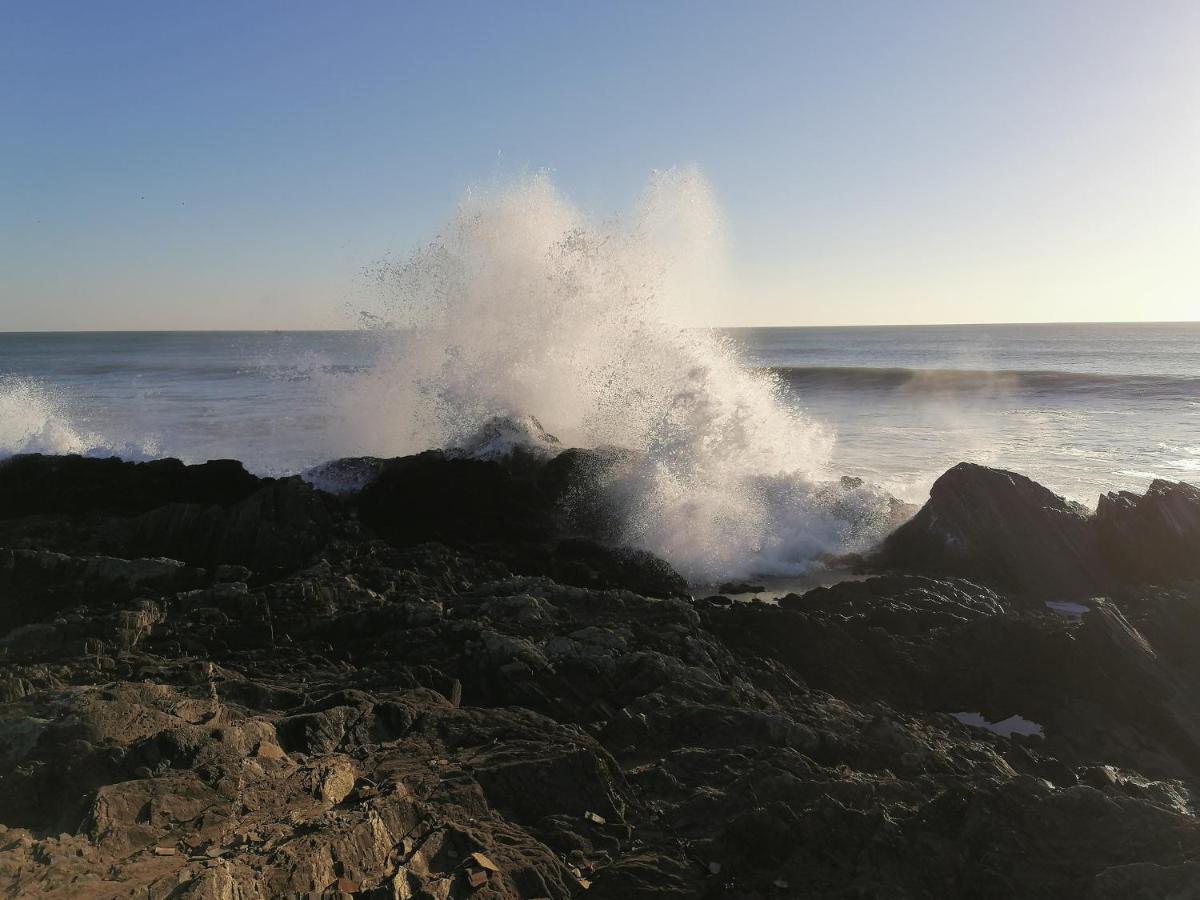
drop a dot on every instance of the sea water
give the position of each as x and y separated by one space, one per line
522 306
1082 408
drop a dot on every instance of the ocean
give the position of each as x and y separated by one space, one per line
1082 408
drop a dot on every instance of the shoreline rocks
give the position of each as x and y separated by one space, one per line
1004 529
448 685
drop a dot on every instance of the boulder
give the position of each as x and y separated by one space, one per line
346 475
37 584
1003 529
1151 538
36 484
541 516
435 497
277 528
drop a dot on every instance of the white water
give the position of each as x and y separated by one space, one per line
523 306
520 307
32 421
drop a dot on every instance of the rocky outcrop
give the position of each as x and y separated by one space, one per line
537 515
383 732
448 497
278 528
380 715
435 497
37 484
899 604
517 510
1153 538
1004 529
37 584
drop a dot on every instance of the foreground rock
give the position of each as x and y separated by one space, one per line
375 714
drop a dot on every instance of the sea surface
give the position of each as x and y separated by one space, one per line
1082 408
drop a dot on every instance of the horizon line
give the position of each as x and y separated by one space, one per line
705 327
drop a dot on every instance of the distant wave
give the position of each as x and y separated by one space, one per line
935 381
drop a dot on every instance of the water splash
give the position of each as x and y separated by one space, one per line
34 419
522 306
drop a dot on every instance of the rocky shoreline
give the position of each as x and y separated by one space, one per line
447 684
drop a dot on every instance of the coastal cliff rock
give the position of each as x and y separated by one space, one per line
1004 529
1154 537
38 484
387 716
277 528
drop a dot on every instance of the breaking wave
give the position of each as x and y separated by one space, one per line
522 323
939 381
523 306
33 419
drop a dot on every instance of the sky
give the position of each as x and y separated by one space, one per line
236 165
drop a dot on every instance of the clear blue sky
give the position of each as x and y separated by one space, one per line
183 164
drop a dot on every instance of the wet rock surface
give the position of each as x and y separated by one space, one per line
1004 529
332 697
1154 536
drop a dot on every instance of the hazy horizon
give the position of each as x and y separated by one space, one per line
864 325
222 167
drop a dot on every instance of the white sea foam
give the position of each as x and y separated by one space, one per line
522 306
33 419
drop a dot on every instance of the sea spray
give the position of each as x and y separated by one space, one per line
522 306
34 419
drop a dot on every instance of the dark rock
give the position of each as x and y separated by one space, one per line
279 527
586 563
900 603
1153 538
330 713
346 475
741 587
1000 528
520 508
36 584
34 484
578 479
433 497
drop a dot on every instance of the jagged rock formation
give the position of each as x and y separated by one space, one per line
322 701
1152 537
1004 529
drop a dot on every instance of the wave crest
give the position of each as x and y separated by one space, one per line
522 306
937 381
33 419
